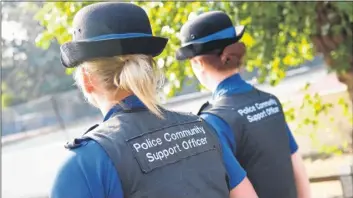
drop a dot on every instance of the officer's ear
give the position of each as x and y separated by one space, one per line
197 63
87 84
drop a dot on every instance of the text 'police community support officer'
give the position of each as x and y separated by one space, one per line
188 142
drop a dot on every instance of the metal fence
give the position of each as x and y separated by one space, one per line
64 108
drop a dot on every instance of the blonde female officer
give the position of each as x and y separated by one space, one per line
140 150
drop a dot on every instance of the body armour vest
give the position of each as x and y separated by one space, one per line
175 157
262 142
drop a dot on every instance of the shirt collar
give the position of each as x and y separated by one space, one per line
231 84
129 102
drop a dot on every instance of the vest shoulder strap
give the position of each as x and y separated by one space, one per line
78 142
203 107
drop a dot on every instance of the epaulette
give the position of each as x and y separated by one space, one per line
203 107
78 142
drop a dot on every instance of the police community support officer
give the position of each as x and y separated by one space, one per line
140 150
251 122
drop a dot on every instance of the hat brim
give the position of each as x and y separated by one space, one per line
75 52
196 49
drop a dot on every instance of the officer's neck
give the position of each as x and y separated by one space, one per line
106 103
215 78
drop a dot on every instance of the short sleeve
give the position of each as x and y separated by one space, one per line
235 172
292 143
87 172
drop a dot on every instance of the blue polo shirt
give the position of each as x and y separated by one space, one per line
232 85
87 171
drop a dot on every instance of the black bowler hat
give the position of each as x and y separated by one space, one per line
110 29
207 32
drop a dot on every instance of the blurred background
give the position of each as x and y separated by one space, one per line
299 51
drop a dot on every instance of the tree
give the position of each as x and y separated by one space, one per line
28 72
278 36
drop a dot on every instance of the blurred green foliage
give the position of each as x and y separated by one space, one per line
28 72
278 36
6 98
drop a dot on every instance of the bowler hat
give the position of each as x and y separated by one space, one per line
110 29
207 32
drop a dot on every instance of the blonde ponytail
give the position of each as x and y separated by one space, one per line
139 76
132 73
